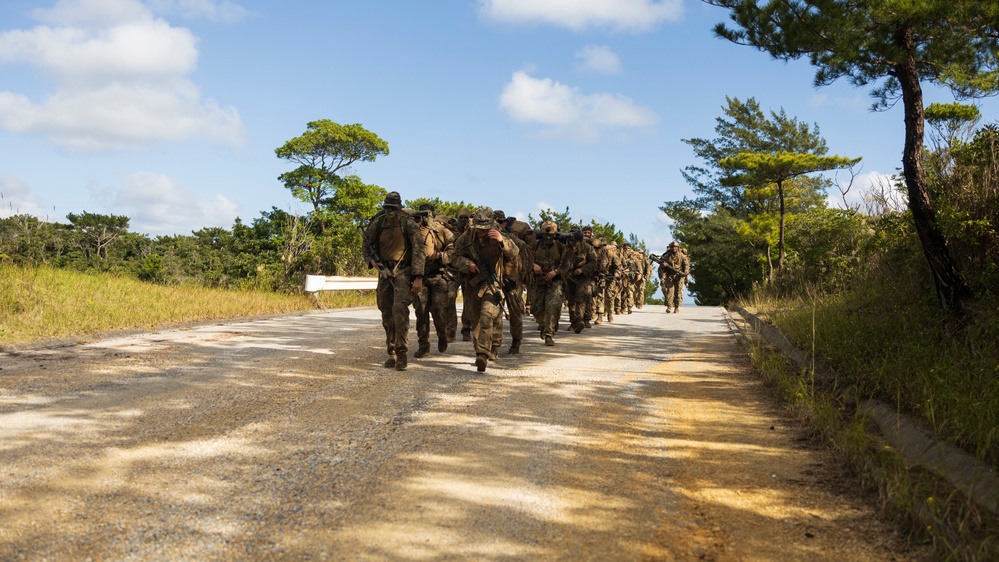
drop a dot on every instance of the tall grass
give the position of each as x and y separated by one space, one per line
902 352
43 303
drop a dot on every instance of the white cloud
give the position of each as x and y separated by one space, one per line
17 198
633 15
563 111
599 58
121 77
157 204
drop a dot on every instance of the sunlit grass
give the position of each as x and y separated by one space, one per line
43 303
905 353
899 348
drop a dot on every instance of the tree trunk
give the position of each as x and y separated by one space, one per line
780 232
952 292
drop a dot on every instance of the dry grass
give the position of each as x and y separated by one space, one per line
43 303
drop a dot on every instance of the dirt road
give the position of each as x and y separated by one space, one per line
285 439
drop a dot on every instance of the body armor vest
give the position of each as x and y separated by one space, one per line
391 238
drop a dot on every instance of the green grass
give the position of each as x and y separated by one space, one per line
906 353
891 342
44 303
922 503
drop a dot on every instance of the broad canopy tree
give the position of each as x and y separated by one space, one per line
755 172
321 152
758 168
894 45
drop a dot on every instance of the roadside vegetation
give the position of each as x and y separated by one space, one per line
39 303
897 290
855 290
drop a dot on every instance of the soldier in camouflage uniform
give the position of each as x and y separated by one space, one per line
674 266
481 253
608 263
549 270
393 246
636 263
622 301
462 222
645 273
582 265
517 272
431 301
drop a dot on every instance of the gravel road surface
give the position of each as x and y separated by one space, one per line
285 439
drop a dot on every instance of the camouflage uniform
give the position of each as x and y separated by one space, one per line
608 264
482 258
460 281
549 269
581 265
433 298
453 280
635 267
673 282
622 300
517 272
645 272
394 238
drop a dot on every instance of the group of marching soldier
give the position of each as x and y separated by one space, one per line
423 260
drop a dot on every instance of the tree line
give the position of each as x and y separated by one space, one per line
274 251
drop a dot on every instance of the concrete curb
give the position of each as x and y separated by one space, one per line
977 480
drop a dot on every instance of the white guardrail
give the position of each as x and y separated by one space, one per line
314 283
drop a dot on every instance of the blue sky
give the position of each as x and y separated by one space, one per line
169 111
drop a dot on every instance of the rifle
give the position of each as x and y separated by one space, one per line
382 270
369 249
605 277
662 262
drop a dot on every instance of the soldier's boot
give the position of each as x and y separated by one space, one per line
466 335
586 324
390 362
494 354
442 343
423 351
549 341
598 320
480 363
401 363
514 347
577 327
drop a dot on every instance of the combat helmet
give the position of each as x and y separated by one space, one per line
392 200
483 219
